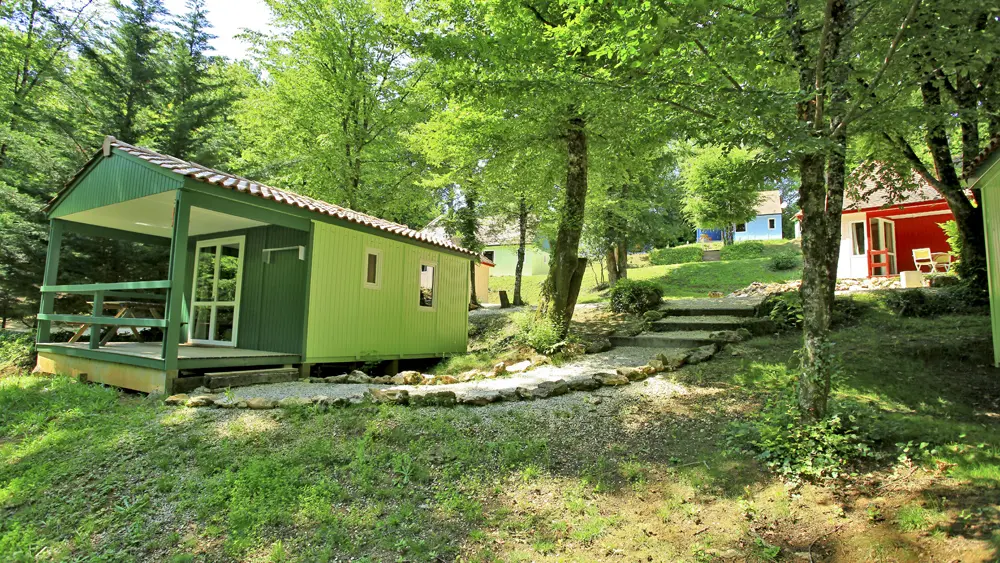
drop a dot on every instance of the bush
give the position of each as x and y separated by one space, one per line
742 250
785 310
539 334
955 299
823 450
785 261
636 297
17 351
676 255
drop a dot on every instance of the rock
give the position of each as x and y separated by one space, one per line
596 401
427 379
358 377
702 354
715 294
611 379
497 369
293 402
468 375
178 399
342 378
634 374
598 346
317 380
656 365
434 398
544 390
382 380
480 397
321 400
201 390
508 394
744 333
258 403
726 336
652 315
445 380
408 377
241 404
539 360
583 383
673 359
201 401
391 396
519 367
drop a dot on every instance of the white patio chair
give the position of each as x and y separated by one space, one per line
922 259
942 261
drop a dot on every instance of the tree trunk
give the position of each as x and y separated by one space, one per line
522 241
561 288
473 300
822 174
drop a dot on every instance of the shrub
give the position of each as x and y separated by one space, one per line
17 351
636 297
539 334
955 299
785 310
950 229
785 261
676 255
742 250
823 450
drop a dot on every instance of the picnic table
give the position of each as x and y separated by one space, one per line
125 309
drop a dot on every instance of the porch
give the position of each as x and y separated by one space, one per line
233 297
880 242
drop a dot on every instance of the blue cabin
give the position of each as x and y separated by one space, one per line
765 226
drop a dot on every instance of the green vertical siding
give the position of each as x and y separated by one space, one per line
991 224
350 321
272 296
114 180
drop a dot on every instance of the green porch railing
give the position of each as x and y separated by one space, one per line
102 292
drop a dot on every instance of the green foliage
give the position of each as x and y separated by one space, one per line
17 351
676 255
785 261
537 333
745 250
918 302
723 187
950 229
635 296
785 310
823 450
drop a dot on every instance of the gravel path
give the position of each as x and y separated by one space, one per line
603 362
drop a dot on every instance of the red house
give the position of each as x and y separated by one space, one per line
879 234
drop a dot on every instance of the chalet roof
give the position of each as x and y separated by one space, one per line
981 159
770 203
872 196
238 184
436 229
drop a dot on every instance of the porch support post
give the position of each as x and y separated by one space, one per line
95 329
47 301
178 274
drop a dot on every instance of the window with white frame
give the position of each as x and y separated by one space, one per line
428 284
858 243
373 268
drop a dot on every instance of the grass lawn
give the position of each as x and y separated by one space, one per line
677 280
91 474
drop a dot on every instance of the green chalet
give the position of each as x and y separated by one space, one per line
259 279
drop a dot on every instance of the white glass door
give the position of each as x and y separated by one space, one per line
215 297
883 250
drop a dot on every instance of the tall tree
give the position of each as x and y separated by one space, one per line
723 188
348 92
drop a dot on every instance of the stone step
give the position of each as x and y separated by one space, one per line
677 339
719 322
223 379
725 307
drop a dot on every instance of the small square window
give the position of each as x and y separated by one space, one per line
373 268
741 228
771 224
427 283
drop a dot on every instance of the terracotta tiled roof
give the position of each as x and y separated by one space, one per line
251 188
979 160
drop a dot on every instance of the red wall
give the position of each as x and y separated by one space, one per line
916 232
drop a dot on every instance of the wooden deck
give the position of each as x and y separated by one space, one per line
188 356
